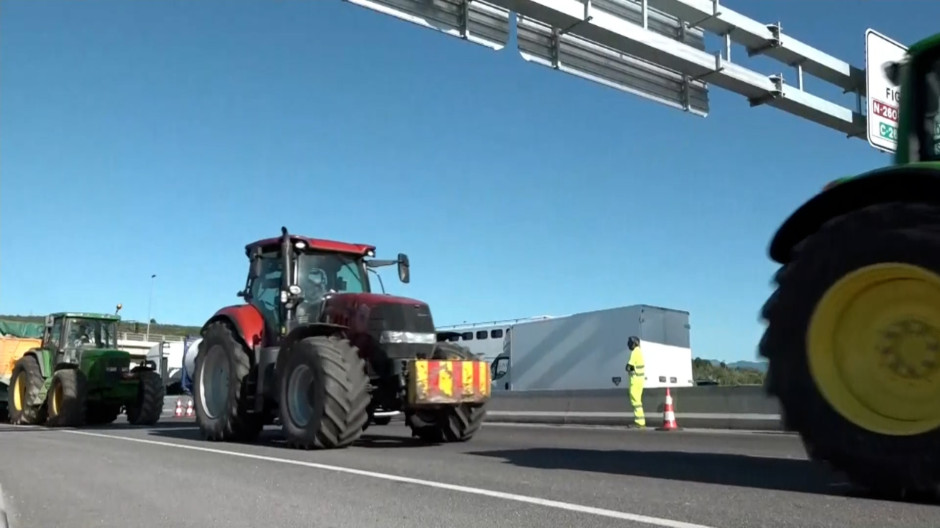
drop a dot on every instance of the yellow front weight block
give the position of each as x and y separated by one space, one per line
447 382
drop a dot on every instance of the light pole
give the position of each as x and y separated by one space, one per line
150 306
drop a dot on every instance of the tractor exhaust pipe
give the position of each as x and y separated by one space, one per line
286 250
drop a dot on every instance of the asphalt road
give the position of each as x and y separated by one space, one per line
513 476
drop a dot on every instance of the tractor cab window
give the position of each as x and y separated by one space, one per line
266 288
91 333
928 95
55 335
322 273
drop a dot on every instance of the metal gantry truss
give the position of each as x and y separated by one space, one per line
651 48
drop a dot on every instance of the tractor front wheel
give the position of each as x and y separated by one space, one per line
148 406
324 394
457 423
219 386
25 385
66 398
853 343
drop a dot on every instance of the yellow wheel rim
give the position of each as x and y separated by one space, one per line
874 348
18 393
56 398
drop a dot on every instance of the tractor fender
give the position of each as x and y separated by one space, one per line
245 319
902 183
44 358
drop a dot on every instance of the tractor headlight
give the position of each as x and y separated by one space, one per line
395 336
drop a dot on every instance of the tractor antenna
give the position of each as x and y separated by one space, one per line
118 308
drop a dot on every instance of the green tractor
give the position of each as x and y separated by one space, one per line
853 329
78 376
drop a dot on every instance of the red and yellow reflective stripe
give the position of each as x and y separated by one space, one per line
449 381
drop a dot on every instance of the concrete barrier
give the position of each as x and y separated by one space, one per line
744 407
710 407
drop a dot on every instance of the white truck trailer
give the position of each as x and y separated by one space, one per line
588 350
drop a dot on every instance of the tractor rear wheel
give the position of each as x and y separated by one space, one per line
853 343
25 385
457 423
323 394
65 400
219 387
148 406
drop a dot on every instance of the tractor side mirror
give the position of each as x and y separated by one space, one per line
404 268
49 321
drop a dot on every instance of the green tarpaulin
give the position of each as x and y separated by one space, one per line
18 329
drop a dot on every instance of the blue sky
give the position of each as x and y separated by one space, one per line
161 137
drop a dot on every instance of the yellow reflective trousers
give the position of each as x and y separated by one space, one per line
637 381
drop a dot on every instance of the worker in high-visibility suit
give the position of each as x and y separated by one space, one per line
636 368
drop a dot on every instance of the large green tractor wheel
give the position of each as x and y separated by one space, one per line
220 385
457 423
65 400
25 386
323 394
148 406
853 342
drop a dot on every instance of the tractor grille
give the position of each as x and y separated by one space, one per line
399 329
112 369
401 317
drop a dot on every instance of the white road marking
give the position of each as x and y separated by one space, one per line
622 429
4 520
590 510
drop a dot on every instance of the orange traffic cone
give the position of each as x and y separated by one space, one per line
189 408
178 411
669 415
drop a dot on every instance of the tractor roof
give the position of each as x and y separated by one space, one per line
316 244
924 44
88 315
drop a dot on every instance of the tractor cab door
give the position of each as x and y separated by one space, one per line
52 335
264 294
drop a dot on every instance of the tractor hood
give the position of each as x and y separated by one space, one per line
377 313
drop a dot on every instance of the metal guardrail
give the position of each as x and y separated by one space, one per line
152 338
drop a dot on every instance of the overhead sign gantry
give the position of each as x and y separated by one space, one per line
656 49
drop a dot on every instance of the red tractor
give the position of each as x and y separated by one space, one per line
313 347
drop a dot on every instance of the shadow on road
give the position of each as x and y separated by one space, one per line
272 437
710 468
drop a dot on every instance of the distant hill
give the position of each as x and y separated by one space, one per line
721 373
760 366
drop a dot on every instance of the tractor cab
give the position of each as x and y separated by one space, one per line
316 271
68 335
919 124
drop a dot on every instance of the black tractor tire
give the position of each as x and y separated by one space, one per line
65 401
335 407
27 368
458 423
148 407
101 413
232 421
890 232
